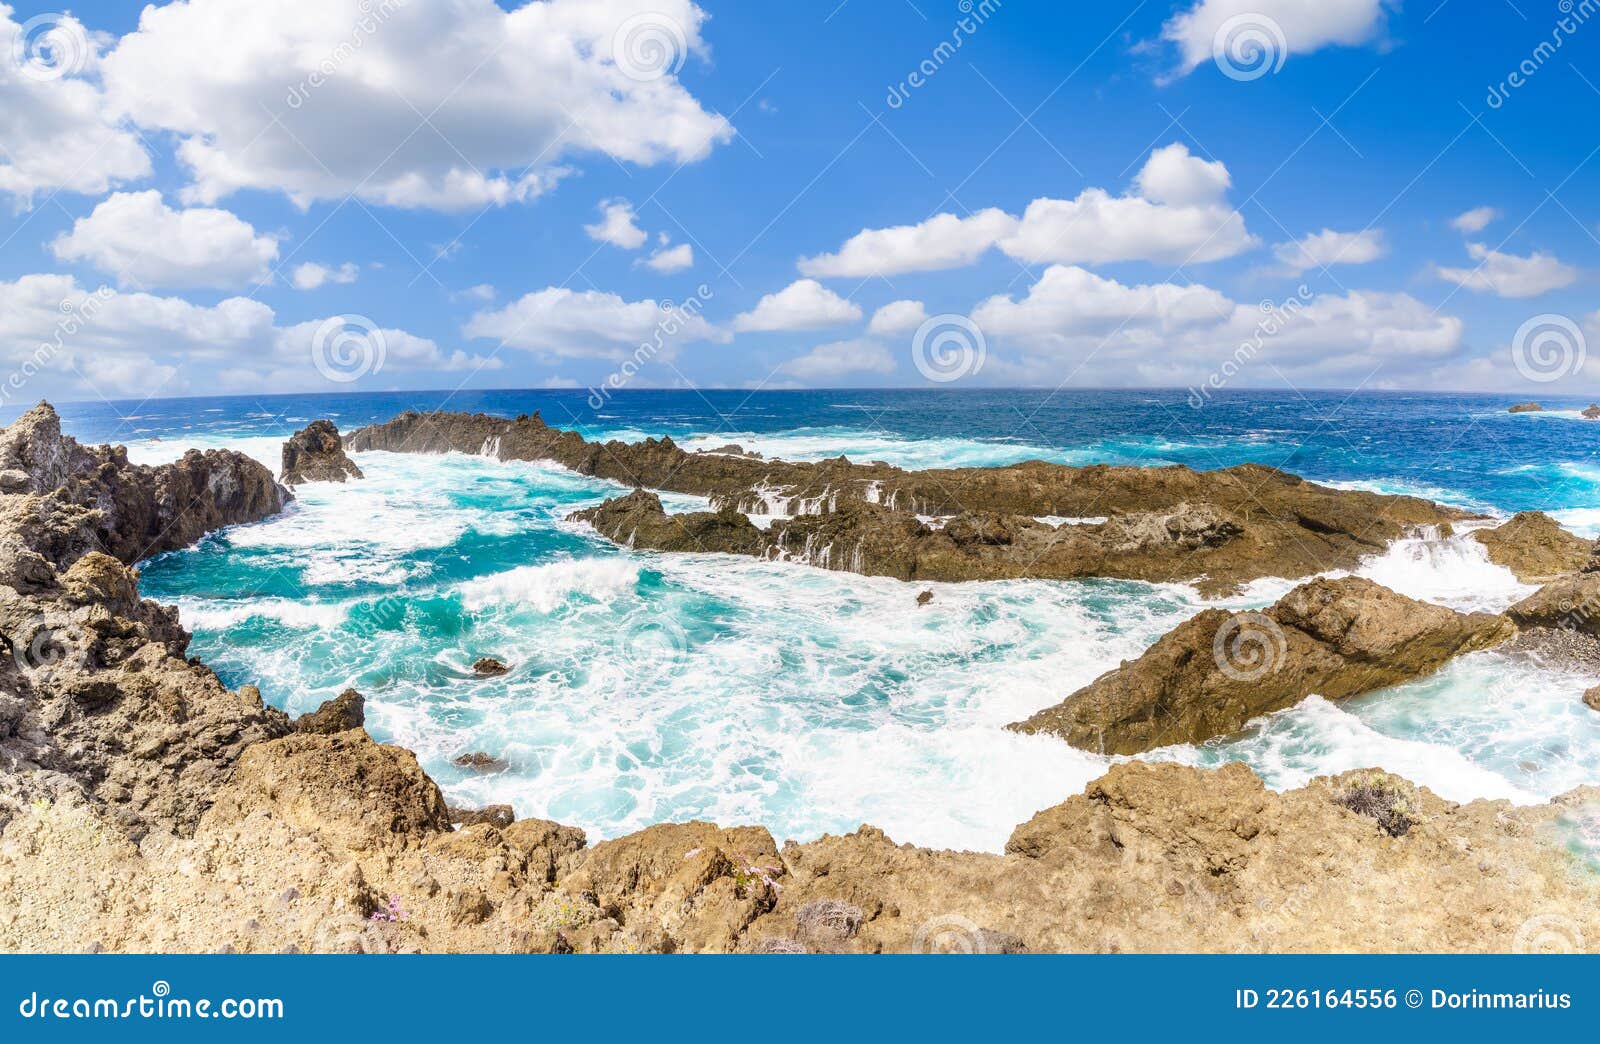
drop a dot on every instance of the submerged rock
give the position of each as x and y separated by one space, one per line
478 761
345 711
1213 673
316 453
1534 547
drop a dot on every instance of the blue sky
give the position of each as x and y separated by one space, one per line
225 196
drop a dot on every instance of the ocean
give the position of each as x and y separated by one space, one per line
647 688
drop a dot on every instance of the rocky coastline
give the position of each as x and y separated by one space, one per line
144 806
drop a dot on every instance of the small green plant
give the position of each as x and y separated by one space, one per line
1396 808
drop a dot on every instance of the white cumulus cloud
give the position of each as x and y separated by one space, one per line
1475 220
804 304
617 226
1326 248
434 105
311 275
1509 275
1289 26
1175 213
828 363
671 259
136 237
898 317
560 322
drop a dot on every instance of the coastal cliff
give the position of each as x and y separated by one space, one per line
146 807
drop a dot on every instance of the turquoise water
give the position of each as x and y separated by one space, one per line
663 687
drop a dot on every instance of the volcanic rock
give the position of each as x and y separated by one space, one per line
489 667
315 453
1212 674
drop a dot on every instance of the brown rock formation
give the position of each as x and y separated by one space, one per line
345 711
315 453
1219 528
1213 673
1526 407
1534 546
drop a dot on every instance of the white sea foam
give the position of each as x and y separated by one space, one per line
1454 571
197 614
545 587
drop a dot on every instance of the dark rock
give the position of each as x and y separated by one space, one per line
498 816
924 598
345 711
1526 407
1557 649
489 667
1216 528
1592 411
479 762
315 453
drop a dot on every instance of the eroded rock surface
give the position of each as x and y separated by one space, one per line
1218 528
316 453
1216 671
1534 547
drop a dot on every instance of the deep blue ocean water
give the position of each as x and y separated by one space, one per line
665 687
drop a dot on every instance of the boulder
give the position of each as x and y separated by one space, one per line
1212 674
316 453
924 598
1534 547
1592 411
489 667
345 711
1591 698
1570 602
1526 407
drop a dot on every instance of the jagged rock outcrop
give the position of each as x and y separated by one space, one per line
102 699
335 843
1534 547
1591 411
1214 672
345 711
1217 528
1567 603
316 453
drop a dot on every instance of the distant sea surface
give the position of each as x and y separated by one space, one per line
648 688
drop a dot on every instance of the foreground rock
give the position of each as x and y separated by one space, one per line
1534 547
1218 528
101 699
335 843
316 453
1213 673
345 711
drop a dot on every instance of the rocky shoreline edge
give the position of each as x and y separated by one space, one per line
144 806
